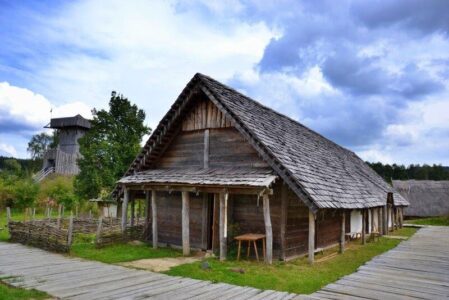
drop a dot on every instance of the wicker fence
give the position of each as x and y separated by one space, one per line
114 235
41 234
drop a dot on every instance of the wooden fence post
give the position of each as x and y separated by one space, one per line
70 231
342 232
58 222
8 214
99 227
33 216
125 208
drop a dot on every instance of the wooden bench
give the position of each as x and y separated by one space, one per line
250 238
353 235
374 235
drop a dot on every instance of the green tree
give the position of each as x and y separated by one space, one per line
109 146
40 143
59 189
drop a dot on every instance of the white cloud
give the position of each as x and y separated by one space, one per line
8 149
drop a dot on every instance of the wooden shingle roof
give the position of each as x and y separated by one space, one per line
322 173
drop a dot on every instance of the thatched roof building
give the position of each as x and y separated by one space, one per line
215 141
427 197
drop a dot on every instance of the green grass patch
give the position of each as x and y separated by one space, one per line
121 252
8 292
436 221
296 276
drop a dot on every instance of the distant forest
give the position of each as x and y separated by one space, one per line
29 165
418 172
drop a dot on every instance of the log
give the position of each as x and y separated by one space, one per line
206 149
147 211
380 221
342 232
8 214
223 224
125 208
311 237
388 218
185 223
133 210
384 219
99 227
268 229
204 221
154 218
283 221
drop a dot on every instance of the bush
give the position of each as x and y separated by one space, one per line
25 193
59 189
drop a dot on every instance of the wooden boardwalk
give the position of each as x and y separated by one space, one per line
416 269
71 278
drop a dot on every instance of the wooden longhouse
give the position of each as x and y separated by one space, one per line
220 163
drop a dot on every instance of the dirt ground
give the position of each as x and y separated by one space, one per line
160 264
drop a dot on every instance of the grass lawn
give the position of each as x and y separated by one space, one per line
437 221
121 252
296 276
8 292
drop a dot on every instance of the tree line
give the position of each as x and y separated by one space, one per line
413 171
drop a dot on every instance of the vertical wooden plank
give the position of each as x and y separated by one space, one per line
311 237
372 220
204 221
384 220
342 232
223 225
363 226
401 217
147 211
154 218
58 221
33 214
70 231
125 208
379 221
283 220
206 149
268 229
388 218
185 223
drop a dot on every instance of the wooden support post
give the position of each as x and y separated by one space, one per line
70 231
392 218
388 219
133 210
185 223
283 225
223 225
342 232
154 217
380 221
99 227
8 214
311 237
204 221
401 217
90 214
268 229
363 226
147 210
372 219
215 224
125 208
76 211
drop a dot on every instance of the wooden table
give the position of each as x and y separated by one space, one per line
251 238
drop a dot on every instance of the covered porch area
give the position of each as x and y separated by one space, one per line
191 207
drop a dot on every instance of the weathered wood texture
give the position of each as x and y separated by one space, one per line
204 114
227 148
110 236
416 269
328 228
72 278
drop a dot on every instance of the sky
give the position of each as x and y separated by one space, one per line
370 75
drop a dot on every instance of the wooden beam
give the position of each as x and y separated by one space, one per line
311 237
125 208
388 219
401 217
185 223
201 189
215 224
206 149
371 210
283 221
363 226
223 224
268 229
133 209
342 232
154 218
380 220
